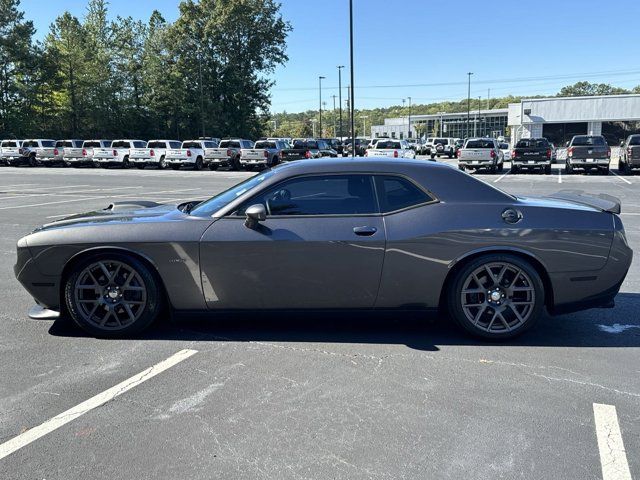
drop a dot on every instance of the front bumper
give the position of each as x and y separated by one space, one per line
44 289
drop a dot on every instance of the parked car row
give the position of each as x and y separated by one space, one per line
212 153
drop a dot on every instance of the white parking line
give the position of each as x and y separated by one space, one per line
559 175
621 178
63 418
613 457
502 176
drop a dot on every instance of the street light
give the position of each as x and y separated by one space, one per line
469 102
320 78
478 122
334 115
409 117
403 117
340 67
441 129
313 122
364 124
353 125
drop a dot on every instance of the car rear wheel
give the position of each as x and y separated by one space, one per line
198 164
112 295
515 169
496 296
568 168
162 164
125 162
547 170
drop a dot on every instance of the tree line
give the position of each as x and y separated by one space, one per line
207 73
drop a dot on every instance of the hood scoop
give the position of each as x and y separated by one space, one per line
131 205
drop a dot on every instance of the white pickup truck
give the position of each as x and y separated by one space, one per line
116 154
88 146
265 153
391 148
192 153
36 152
228 153
154 153
9 150
481 153
65 150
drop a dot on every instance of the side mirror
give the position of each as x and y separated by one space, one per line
566 144
622 143
255 214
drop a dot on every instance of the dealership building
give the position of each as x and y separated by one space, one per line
556 118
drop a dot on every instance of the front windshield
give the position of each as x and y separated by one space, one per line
211 206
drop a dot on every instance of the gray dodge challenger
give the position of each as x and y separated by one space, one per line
334 235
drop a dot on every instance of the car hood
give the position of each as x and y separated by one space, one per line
137 212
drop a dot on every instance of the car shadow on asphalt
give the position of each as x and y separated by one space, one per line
617 327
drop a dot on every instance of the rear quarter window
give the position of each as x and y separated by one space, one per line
397 193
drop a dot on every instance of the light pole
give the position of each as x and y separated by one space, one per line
340 67
353 125
409 135
334 116
313 122
441 129
320 78
479 115
364 124
403 117
469 102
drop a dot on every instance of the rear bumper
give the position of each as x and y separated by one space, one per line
589 163
530 163
178 161
252 161
574 291
218 161
477 163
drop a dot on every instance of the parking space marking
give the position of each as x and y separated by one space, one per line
24 439
502 176
613 457
621 178
559 175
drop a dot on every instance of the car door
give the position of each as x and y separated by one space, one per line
321 246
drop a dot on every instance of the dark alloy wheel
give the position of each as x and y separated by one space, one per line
496 296
112 295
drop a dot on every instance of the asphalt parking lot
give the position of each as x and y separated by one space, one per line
319 396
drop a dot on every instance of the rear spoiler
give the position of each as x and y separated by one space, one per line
601 201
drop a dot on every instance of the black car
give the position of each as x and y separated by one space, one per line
334 144
361 147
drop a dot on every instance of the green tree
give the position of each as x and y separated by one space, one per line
581 89
15 60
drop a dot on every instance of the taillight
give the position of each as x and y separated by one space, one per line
549 153
229 153
188 153
459 153
115 154
152 153
366 153
493 154
84 152
307 154
395 154
608 152
570 151
266 154
55 151
513 153
628 150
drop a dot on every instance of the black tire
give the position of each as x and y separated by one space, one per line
32 161
530 314
432 157
623 167
460 167
501 167
175 167
125 162
547 170
450 154
213 167
515 169
493 169
604 171
568 169
145 312
198 165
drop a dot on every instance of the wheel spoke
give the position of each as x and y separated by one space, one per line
478 282
473 290
476 319
103 322
493 319
129 312
522 289
504 322
104 269
501 274
492 277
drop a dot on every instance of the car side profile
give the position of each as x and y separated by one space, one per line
370 234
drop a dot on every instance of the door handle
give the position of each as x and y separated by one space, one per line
364 231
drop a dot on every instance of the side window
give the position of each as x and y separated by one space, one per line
396 193
319 195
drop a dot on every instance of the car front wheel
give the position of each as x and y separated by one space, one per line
112 295
496 296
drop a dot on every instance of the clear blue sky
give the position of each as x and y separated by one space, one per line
406 48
